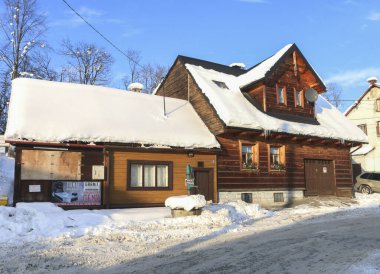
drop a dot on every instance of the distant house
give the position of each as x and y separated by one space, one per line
80 145
365 113
280 139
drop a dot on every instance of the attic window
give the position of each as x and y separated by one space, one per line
220 84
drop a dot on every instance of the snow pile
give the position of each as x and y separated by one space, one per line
259 71
7 166
236 111
186 202
61 112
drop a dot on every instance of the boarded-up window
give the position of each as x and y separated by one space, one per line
50 165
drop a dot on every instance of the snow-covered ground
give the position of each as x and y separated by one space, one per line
77 241
234 237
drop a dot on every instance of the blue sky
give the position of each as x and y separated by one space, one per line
339 37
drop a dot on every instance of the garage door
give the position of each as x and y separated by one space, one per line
319 177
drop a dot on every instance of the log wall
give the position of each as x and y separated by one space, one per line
232 177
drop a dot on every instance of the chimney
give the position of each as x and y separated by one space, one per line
372 80
237 65
136 87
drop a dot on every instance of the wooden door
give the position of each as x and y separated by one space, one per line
319 177
204 181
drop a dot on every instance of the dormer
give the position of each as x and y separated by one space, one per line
280 82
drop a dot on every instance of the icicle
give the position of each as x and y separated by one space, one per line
266 133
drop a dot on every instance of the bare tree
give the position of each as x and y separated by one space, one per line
151 76
5 85
147 74
22 29
333 94
88 64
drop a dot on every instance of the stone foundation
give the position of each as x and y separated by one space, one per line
265 198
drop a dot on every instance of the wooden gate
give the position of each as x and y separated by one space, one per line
319 177
204 181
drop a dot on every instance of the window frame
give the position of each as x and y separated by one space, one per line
255 154
283 95
301 98
154 163
378 104
282 157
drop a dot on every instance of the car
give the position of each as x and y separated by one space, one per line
368 182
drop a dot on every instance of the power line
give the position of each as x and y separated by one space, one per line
104 37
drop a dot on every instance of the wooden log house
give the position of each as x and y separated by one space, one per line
278 145
88 146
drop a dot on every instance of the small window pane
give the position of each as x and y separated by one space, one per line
275 155
280 94
162 176
149 175
298 98
136 175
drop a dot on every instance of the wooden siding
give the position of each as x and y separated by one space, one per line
119 195
26 155
231 177
180 84
285 76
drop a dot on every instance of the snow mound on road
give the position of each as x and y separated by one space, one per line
33 221
186 202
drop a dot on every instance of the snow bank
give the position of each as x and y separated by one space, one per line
7 166
61 112
187 202
29 222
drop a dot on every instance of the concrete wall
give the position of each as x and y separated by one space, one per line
265 198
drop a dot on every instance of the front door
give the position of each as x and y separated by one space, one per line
319 177
204 182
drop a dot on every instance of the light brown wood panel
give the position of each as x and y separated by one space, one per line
118 168
50 165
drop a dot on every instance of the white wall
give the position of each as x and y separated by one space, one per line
365 113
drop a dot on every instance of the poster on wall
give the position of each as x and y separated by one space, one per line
76 193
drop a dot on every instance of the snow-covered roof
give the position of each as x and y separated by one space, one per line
60 112
236 111
258 72
363 150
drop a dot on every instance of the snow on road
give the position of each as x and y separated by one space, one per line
231 237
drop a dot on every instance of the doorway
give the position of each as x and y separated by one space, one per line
319 177
204 182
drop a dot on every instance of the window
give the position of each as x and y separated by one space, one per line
363 127
281 95
378 104
366 176
220 84
378 128
298 98
249 156
150 175
277 157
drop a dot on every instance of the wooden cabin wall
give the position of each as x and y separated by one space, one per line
88 158
285 76
120 195
231 177
180 84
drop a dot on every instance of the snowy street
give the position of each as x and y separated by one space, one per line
330 235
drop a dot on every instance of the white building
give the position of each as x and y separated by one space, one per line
365 113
